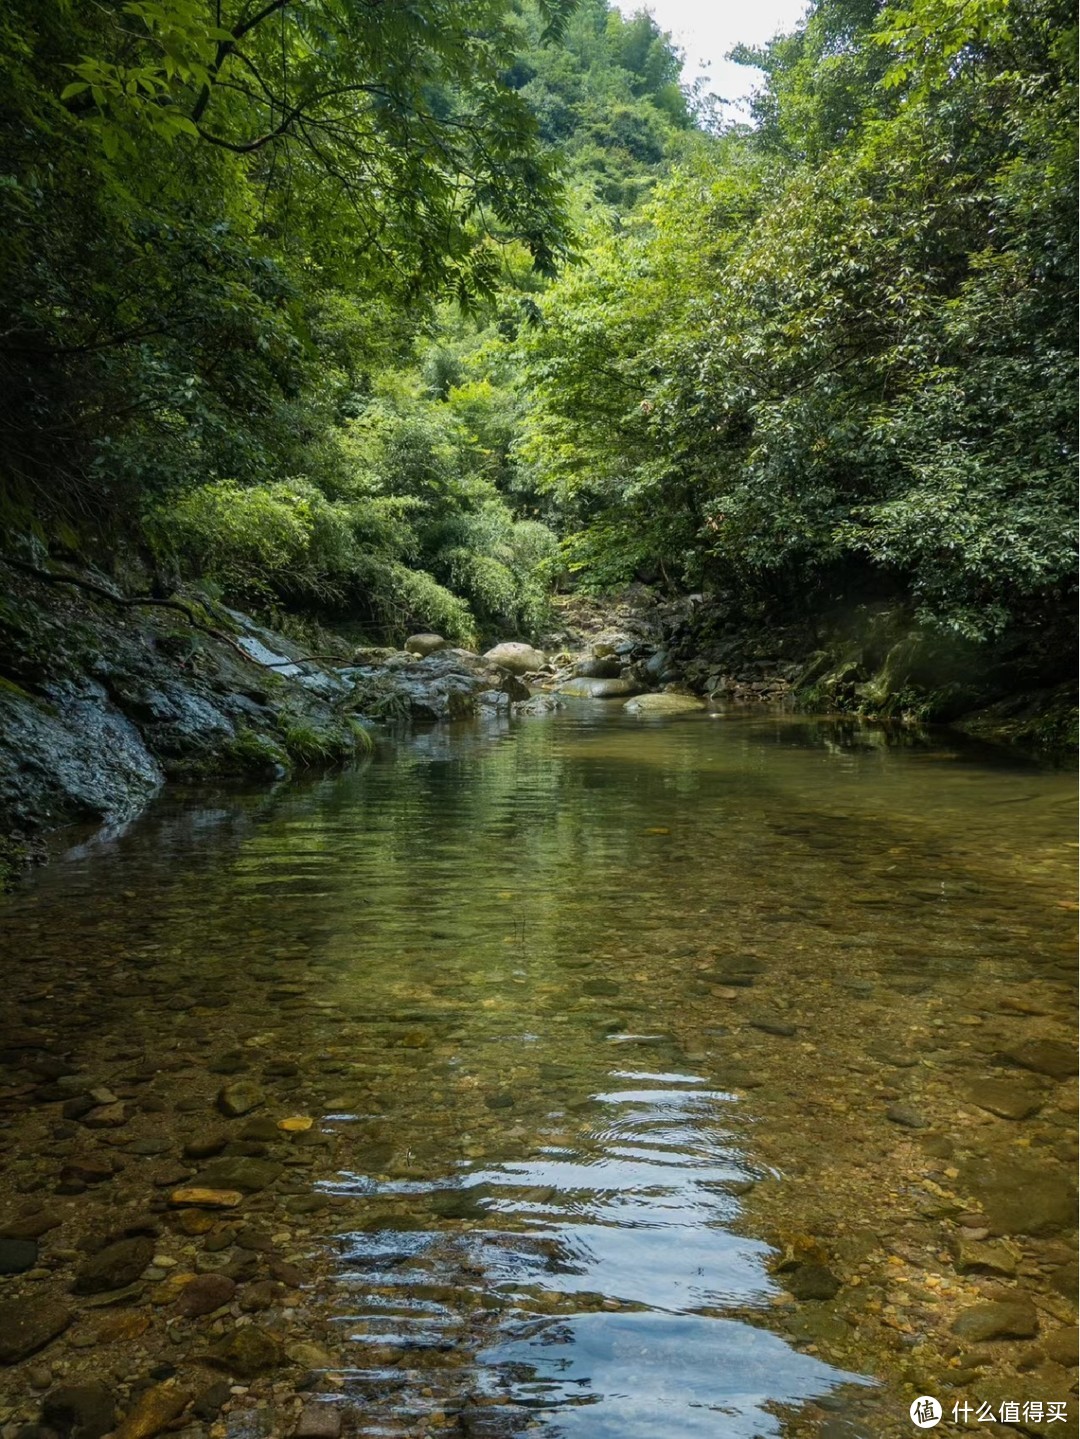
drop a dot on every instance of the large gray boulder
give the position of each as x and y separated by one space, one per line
424 645
519 659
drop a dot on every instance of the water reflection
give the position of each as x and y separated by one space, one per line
584 1011
636 1216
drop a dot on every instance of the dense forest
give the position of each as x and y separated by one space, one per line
401 315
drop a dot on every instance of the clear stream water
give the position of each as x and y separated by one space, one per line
595 1016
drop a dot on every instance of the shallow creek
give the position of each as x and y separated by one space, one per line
704 1077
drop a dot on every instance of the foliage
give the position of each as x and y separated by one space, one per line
835 357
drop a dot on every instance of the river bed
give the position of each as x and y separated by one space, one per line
581 1076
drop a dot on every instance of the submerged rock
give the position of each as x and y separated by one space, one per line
1006 1100
240 1098
319 1419
1020 1196
114 1267
984 1256
597 689
27 1325
998 1319
239 1172
247 1352
17 1255
813 1281
664 704
153 1411
1044 1056
204 1294
80 1411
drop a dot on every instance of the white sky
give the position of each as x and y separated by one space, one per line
707 29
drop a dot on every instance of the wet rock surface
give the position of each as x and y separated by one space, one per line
102 704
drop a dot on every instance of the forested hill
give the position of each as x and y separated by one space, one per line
397 316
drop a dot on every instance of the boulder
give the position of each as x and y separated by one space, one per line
519 659
424 645
598 669
664 704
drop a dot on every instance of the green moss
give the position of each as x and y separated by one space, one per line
15 855
254 753
308 745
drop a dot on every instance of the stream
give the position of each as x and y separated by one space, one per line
580 1075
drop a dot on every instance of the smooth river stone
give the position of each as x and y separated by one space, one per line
206 1198
27 1325
997 1319
240 1098
17 1255
519 659
247 1352
114 1267
592 689
425 644
238 1172
663 704
1020 1196
1044 1056
1006 1100
153 1410
81 1411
